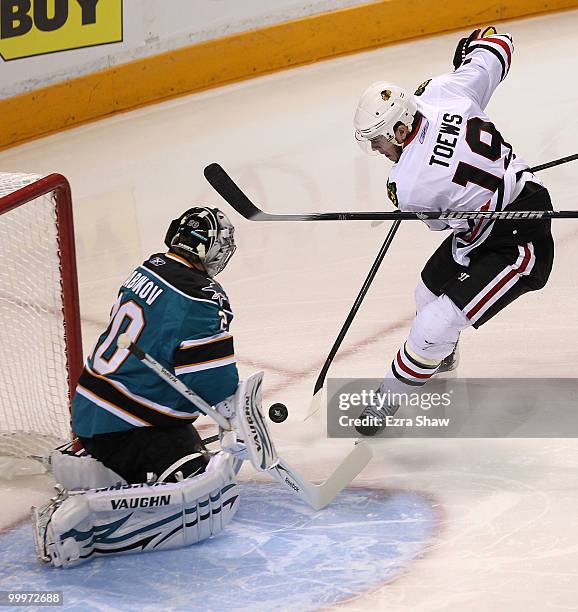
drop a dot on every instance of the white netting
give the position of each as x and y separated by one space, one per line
34 414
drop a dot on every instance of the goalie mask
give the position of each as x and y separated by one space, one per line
205 234
381 107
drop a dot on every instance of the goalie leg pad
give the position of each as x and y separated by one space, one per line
78 470
123 519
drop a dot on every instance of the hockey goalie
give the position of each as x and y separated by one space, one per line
145 480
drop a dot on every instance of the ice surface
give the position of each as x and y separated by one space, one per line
509 532
277 554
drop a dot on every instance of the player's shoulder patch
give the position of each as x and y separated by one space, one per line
419 91
185 280
157 260
392 193
214 292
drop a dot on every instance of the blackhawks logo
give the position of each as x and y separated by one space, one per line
392 193
421 88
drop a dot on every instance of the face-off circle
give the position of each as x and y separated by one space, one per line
278 413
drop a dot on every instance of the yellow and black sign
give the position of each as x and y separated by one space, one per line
36 27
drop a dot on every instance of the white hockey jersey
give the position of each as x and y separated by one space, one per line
456 159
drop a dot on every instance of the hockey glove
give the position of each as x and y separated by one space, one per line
462 48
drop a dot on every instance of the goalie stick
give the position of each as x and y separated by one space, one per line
316 495
230 191
124 342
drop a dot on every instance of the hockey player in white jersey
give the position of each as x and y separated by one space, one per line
449 156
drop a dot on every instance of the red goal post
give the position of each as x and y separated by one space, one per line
40 334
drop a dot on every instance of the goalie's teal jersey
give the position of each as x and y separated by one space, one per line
181 317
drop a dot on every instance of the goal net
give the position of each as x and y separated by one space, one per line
40 343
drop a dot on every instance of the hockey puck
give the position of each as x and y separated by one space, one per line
278 413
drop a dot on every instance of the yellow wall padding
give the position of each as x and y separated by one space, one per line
239 56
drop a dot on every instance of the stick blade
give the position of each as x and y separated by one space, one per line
315 405
226 187
345 472
319 495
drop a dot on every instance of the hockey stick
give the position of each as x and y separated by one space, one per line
555 162
316 399
124 342
316 495
231 192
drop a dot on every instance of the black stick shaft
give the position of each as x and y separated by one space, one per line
231 192
556 162
356 305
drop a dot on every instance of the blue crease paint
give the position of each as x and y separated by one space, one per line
277 554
